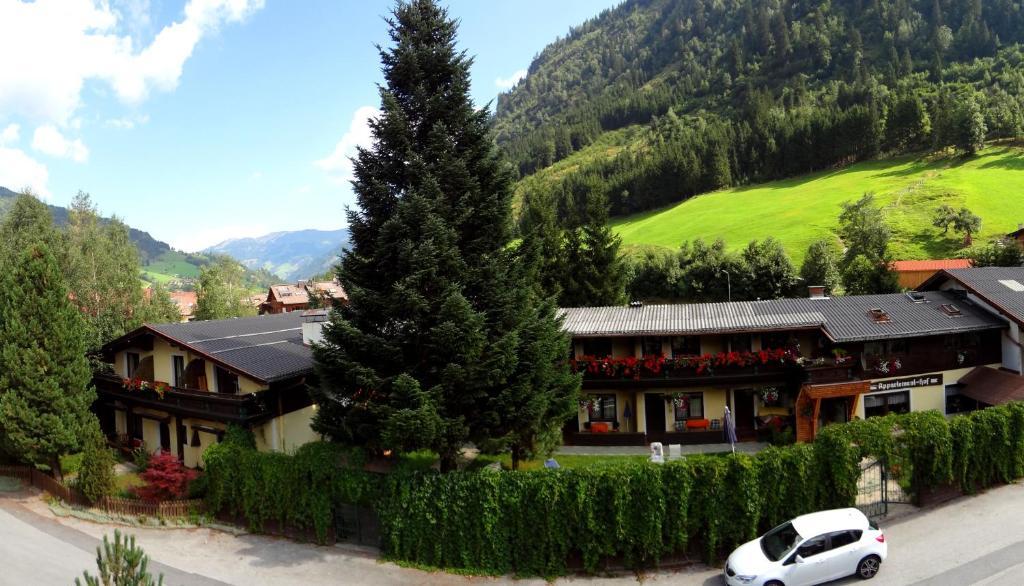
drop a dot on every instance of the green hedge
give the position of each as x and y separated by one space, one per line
299 491
538 522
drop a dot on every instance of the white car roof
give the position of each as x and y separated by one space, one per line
814 524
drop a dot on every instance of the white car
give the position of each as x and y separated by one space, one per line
810 549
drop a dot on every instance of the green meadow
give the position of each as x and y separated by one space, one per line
797 211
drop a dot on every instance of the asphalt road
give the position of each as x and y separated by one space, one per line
974 540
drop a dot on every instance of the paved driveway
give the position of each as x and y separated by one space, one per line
974 540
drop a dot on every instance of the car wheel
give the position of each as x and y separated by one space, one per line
774 583
868 567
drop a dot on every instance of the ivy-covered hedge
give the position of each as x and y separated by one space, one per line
538 522
300 490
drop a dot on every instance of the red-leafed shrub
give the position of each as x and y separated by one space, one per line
165 479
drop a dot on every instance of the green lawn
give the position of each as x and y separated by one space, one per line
800 210
171 264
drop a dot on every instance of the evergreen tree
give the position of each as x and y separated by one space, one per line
542 241
45 393
120 563
27 222
96 477
437 318
710 273
598 274
821 265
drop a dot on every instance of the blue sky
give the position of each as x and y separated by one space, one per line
204 120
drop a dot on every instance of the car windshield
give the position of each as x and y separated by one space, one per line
780 541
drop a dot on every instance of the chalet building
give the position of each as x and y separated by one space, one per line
666 372
177 387
284 298
911 273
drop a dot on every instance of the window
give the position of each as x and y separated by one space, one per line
886 348
963 341
844 538
778 542
878 405
777 340
132 363
603 408
739 343
692 407
650 347
957 402
686 346
178 368
813 547
227 382
597 347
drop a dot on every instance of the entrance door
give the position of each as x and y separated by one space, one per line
743 410
654 413
165 436
181 441
833 410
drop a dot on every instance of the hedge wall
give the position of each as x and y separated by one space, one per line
539 522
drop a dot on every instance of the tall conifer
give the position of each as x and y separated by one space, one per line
45 393
436 324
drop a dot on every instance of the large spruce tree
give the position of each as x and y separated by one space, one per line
438 323
44 374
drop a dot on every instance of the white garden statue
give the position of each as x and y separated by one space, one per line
657 453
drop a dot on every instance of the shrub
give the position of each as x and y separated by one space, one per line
165 478
120 563
96 476
141 457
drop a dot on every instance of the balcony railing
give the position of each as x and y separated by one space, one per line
203 404
773 360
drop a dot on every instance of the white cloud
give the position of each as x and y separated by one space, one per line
10 134
338 163
127 122
506 83
50 141
52 47
18 171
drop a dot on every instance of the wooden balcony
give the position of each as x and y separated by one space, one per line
187 402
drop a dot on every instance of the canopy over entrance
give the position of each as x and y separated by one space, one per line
992 387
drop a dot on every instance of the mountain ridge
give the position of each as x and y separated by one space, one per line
288 254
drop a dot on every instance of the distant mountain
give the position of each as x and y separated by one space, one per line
160 263
149 248
289 255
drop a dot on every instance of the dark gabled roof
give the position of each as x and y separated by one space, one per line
844 319
1001 287
693 318
267 348
847 318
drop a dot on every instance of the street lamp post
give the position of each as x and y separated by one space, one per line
728 282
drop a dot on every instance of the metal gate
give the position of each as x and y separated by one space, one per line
356 524
878 487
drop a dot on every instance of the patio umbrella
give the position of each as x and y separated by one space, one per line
730 429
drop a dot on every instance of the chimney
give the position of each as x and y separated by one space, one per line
816 291
313 321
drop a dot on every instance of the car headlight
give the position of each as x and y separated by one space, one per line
746 579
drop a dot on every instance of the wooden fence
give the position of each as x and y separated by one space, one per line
113 505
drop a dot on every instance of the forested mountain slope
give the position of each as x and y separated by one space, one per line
728 92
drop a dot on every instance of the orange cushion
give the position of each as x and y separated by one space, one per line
697 423
599 426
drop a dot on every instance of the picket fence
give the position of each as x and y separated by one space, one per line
112 505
